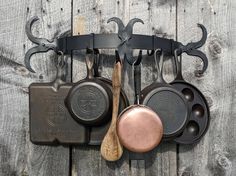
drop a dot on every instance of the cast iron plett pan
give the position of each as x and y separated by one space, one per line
167 102
90 100
199 119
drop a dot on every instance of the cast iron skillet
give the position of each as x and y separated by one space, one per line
139 128
167 102
90 100
199 119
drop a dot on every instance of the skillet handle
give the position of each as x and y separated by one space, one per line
137 77
89 60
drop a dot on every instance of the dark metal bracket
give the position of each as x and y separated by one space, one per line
124 41
44 45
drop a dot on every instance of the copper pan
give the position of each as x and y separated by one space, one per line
139 128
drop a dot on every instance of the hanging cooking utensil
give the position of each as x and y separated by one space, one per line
199 119
50 121
124 101
89 100
167 102
111 149
97 133
139 128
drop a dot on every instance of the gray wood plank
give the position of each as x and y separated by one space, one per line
215 153
18 156
93 15
159 19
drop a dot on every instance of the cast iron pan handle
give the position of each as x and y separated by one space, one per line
89 63
159 66
137 77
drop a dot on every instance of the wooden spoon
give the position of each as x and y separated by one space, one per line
111 149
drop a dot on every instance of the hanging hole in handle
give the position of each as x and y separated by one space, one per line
150 53
60 59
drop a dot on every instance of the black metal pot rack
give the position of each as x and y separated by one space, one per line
124 41
54 111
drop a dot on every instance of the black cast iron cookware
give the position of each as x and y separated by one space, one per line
199 119
90 100
167 102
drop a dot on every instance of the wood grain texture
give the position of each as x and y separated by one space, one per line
160 19
94 16
215 154
18 156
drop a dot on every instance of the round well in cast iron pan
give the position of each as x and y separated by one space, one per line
199 116
167 102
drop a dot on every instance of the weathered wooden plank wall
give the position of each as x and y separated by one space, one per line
18 156
216 152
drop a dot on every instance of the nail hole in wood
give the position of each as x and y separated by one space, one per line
40 76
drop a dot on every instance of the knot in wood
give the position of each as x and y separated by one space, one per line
215 48
21 70
223 162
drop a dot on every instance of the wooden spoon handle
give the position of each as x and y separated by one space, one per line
111 149
116 86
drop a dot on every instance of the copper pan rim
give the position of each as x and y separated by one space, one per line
139 128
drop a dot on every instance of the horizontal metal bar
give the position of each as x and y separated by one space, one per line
112 41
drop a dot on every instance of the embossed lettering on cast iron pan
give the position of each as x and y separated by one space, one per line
167 102
97 133
199 119
89 100
139 128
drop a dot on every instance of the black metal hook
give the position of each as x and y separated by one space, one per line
117 57
44 45
139 59
191 49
